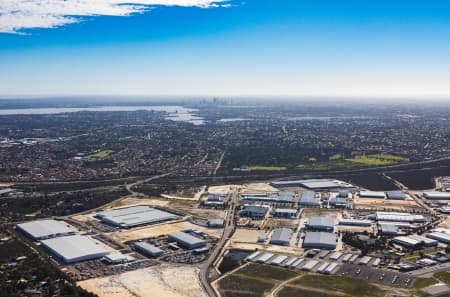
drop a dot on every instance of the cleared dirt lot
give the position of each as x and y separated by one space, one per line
246 235
401 205
157 281
155 231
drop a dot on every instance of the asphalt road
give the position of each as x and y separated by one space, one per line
227 232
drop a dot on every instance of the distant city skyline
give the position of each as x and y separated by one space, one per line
225 48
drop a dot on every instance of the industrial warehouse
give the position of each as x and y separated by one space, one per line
320 240
134 216
311 231
44 229
74 248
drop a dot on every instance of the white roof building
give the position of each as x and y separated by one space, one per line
44 229
74 248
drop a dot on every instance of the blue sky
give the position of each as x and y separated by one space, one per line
226 48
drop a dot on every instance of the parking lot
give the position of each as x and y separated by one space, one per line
376 275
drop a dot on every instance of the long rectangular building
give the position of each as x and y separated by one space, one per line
399 217
320 240
314 184
371 194
74 248
44 229
148 249
281 236
354 222
308 198
134 216
437 195
186 240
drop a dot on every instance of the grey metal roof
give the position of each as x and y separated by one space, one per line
46 228
396 195
321 221
75 248
398 217
149 248
255 209
186 239
372 194
134 216
388 228
215 222
437 195
338 201
285 210
308 199
281 235
314 183
319 238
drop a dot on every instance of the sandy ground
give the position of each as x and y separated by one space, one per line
384 203
164 229
246 235
160 281
203 212
258 187
310 212
224 188
445 223
180 198
270 248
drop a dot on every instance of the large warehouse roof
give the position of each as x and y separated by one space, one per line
398 216
134 216
187 240
44 229
281 236
321 222
74 248
437 195
314 183
320 239
149 248
371 194
396 195
308 199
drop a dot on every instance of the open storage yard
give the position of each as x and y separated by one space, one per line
160 281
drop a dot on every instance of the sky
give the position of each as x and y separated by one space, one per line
225 48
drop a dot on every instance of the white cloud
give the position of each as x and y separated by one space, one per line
16 15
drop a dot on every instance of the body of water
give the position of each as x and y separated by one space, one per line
174 113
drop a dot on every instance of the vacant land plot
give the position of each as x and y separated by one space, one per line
155 231
443 276
424 282
359 160
339 285
148 282
254 280
246 235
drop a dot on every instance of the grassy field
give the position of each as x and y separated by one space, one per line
253 280
443 276
101 155
424 282
299 292
267 168
337 284
338 161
